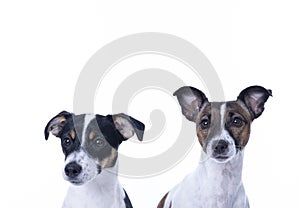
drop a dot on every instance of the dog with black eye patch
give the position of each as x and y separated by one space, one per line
90 143
223 130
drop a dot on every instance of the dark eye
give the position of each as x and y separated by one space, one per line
204 123
67 142
237 122
99 142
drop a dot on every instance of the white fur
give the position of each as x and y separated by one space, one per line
231 146
103 191
87 120
222 114
212 184
88 164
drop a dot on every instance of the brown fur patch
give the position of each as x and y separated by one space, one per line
202 134
109 161
91 135
61 119
242 133
72 133
211 112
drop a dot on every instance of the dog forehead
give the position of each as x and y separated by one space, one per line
78 124
238 107
213 109
90 126
219 110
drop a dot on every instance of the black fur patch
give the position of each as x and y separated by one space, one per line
127 200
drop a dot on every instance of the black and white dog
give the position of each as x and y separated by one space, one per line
90 143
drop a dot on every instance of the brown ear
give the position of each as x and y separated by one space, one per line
254 98
128 126
190 100
56 124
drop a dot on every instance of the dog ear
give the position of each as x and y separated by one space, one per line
128 126
190 100
254 98
56 124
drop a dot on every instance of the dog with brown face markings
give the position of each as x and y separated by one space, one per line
223 130
90 143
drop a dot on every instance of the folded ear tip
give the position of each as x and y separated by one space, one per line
57 121
140 137
64 112
270 92
46 131
142 126
256 88
267 91
46 134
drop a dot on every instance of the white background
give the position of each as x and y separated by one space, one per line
45 45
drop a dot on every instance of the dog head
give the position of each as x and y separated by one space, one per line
90 142
223 128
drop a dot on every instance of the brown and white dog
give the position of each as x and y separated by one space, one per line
223 130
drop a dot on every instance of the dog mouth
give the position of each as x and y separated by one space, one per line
224 158
221 158
76 182
79 181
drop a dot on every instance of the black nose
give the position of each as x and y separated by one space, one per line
220 146
72 170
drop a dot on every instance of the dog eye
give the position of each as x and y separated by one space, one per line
99 142
204 123
67 142
237 122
